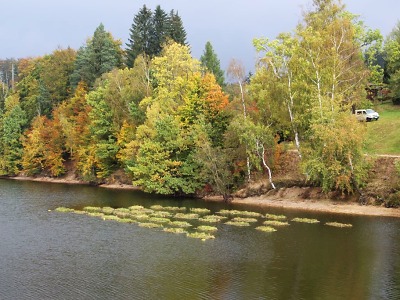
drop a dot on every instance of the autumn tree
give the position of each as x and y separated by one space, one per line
336 75
12 124
166 160
211 63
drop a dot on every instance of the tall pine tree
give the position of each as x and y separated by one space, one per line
176 30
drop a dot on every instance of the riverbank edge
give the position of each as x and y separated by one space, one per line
263 201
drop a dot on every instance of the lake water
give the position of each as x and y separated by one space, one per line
51 255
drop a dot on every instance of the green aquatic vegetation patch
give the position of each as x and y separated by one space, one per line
125 220
239 224
186 216
174 208
181 224
135 207
150 225
305 220
247 220
161 214
96 214
212 219
275 223
107 210
64 209
200 210
79 212
159 220
206 228
266 228
157 207
339 225
174 230
110 218
243 213
275 217
92 209
140 217
200 235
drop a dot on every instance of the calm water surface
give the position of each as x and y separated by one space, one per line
50 255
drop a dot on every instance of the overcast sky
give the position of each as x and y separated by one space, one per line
37 27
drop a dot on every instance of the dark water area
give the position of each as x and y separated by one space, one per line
49 255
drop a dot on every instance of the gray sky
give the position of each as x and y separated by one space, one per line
31 28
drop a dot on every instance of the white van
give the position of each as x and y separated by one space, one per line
366 115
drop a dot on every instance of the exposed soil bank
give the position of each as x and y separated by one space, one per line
292 200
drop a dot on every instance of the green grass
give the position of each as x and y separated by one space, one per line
383 136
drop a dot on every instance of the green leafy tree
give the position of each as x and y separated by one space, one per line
211 63
100 55
392 50
12 124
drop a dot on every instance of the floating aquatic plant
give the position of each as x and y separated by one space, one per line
305 220
161 214
242 213
125 220
159 220
340 225
174 208
107 210
247 220
174 230
64 209
110 218
207 228
200 235
140 217
186 216
200 210
157 207
275 223
79 212
212 219
122 210
275 217
240 224
180 224
92 209
150 225
135 207
95 214
266 228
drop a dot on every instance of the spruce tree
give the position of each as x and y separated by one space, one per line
176 31
140 36
100 55
210 61
160 24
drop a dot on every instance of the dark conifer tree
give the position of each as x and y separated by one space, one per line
210 61
100 55
160 23
176 31
140 36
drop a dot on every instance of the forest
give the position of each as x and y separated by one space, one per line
177 125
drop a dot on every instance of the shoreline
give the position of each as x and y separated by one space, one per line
291 202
